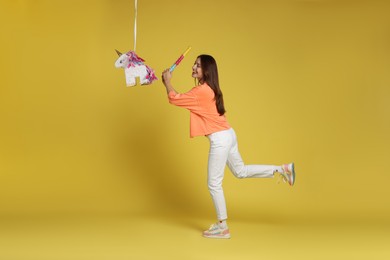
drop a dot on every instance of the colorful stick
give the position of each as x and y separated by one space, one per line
179 60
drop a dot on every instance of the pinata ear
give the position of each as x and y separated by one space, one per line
118 52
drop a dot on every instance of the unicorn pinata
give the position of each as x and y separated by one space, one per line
134 67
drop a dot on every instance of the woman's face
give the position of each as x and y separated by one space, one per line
197 70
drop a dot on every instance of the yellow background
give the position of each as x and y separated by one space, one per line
303 81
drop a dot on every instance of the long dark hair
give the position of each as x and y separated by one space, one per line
210 76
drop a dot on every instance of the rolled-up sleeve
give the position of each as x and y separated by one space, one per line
187 100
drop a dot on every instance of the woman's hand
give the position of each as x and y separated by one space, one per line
166 77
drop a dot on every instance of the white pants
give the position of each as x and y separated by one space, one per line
224 150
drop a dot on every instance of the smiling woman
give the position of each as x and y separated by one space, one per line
207 113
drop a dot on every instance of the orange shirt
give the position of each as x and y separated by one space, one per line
204 117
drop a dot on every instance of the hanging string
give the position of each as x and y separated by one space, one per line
135 24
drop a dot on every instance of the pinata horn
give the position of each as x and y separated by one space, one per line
118 52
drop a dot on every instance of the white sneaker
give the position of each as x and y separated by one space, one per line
216 231
288 173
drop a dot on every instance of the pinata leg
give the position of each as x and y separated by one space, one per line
130 78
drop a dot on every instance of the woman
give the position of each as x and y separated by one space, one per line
207 118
